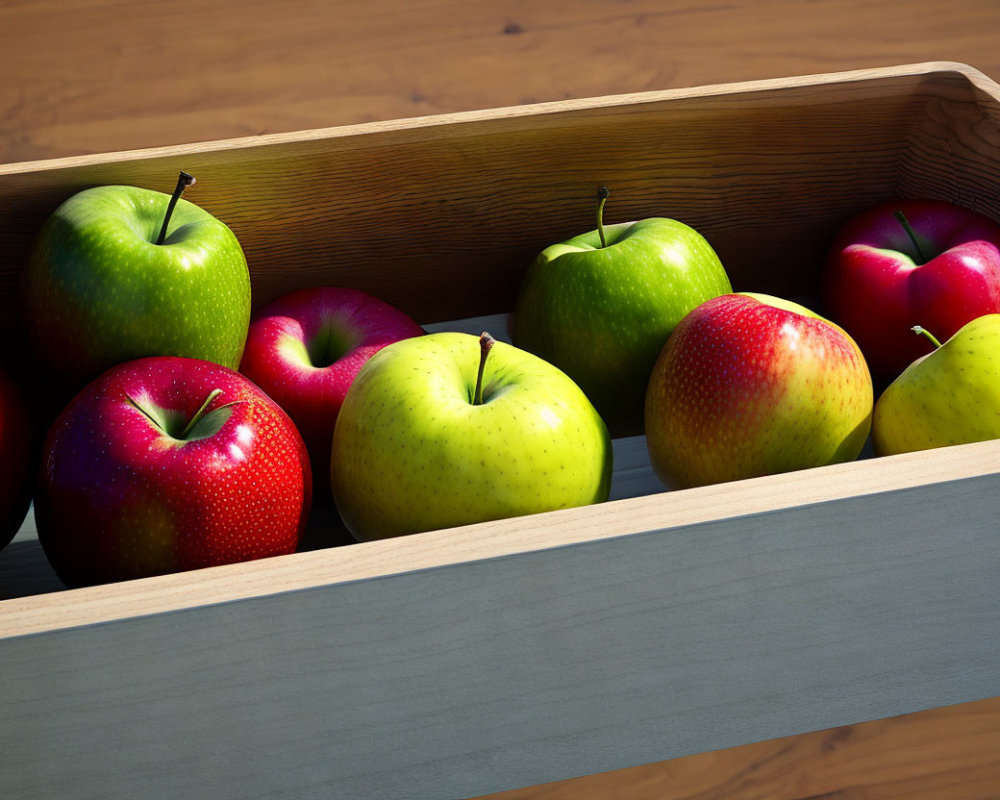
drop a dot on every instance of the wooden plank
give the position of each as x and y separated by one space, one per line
512 671
557 529
192 70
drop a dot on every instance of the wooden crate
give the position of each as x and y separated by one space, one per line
459 662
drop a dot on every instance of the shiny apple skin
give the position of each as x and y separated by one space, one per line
118 498
876 289
751 385
277 358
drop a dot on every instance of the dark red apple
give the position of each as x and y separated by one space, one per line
166 464
305 349
881 279
17 465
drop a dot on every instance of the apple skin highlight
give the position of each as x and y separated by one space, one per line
877 285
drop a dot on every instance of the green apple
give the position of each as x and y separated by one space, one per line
600 306
447 429
121 272
749 385
949 396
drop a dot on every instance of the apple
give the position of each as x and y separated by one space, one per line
121 272
165 464
749 385
600 306
950 396
906 263
305 348
446 429
17 458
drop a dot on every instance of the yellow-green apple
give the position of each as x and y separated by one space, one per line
16 458
305 348
600 306
749 385
949 396
121 272
447 429
906 263
165 464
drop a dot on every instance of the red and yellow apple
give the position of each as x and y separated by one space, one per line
751 385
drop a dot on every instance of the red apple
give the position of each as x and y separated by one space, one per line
16 459
166 464
879 280
305 349
751 385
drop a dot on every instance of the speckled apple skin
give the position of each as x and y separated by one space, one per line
743 388
950 396
117 499
411 452
602 314
98 291
276 358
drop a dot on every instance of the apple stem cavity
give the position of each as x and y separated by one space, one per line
602 197
902 220
183 182
917 329
486 343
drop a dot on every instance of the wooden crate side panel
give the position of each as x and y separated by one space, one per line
478 677
443 219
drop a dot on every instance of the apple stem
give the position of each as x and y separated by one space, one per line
924 332
486 343
901 218
135 404
183 182
602 197
199 413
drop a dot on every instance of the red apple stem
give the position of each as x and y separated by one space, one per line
902 220
602 197
183 182
486 343
924 332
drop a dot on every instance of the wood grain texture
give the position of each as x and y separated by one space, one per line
441 216
96 75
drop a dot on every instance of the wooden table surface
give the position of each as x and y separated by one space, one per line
85 76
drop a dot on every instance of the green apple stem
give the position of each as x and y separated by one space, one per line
602 197
486 343
901 218
199 413
139 407
924 332
183 182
